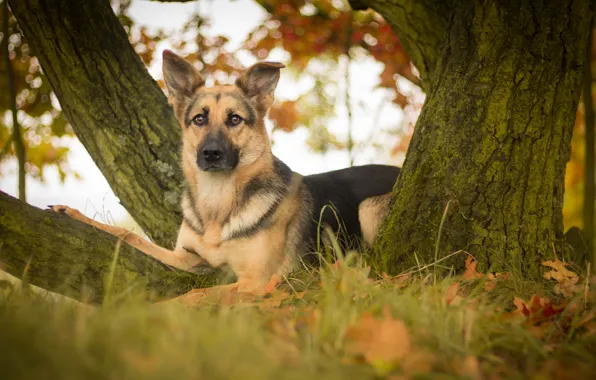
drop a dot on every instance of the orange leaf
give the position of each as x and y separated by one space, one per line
470 273
566 279
272 284
451 295
559 272
284 115
492 279
382 343
274 301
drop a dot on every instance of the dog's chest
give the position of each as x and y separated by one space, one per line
240 254
215 201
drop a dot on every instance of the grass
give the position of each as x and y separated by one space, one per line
315 325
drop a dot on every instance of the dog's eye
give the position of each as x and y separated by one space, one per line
200 120
234 120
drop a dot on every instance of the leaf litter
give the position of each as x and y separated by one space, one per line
404 326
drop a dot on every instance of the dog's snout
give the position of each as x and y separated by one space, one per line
217 153
212 152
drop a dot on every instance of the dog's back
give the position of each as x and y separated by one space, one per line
356 197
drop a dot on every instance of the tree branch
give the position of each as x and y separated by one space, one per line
421 27
65 256
17 135
116 109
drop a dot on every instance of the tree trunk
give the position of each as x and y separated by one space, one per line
65 256
116 109
493 138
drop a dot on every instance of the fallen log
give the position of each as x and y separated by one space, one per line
71 258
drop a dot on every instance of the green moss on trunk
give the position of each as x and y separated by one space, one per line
65 256
493 138
116 109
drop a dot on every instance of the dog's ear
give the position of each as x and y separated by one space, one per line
181 78
259 81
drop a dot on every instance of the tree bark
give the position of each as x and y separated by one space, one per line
116 109
493 138
65 256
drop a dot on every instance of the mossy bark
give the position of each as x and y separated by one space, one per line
65 256
116 109
493 138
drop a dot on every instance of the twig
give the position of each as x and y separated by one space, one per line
589 190
436 262
347 92
17 136
437 245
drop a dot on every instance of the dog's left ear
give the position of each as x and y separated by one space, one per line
259 82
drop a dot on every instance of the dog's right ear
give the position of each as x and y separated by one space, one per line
182 79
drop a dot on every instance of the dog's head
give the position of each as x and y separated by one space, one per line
223 126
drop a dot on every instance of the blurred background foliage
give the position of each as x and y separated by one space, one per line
324 32
38 111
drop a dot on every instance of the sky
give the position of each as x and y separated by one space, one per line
234 19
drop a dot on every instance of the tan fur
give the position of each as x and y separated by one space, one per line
178 259
371 213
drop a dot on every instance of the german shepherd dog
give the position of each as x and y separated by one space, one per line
242 206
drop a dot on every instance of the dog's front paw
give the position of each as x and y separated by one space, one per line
73 213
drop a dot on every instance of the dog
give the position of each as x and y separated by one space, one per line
242 206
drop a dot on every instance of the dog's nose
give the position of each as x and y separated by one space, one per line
212 152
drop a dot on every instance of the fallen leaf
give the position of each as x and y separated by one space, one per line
520 306
272 284
273 301
299 295
538 315
192 298
566 279
559 272
493 278
470 273
383 343
451 296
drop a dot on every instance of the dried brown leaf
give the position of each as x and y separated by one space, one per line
382 343
470 273
451 296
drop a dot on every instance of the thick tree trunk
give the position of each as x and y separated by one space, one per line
116 109
493 138
68 257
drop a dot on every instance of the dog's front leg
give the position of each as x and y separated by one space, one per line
217 293
179 258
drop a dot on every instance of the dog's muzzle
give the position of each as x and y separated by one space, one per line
217 154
